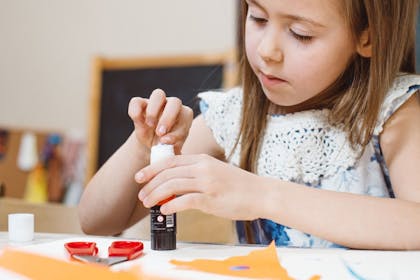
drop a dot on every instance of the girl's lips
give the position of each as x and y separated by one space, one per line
270 81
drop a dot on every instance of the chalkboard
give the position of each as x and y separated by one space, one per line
116 81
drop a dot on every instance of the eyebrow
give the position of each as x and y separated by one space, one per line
289 16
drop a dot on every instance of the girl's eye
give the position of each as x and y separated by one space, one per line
257 19
300 37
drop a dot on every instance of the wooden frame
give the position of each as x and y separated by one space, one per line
100 64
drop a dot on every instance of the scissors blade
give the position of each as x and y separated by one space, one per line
102 261
88 259
114 260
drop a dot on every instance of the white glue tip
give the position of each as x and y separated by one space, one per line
160 152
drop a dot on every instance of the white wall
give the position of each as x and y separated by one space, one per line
46 48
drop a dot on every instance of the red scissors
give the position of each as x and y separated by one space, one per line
119 251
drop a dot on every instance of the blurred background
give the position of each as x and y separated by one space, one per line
47 46
47 74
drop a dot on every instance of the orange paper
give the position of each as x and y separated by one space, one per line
38 267
257 264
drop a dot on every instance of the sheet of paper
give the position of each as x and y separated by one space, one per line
262 263
297 263
37 267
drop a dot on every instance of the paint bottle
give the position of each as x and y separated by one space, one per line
163 227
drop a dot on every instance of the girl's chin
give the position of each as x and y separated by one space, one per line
282 105
279 99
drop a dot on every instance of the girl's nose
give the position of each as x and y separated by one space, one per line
269 47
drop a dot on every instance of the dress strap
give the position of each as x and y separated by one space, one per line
402 89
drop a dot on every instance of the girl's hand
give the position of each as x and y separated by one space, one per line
160 119
204 183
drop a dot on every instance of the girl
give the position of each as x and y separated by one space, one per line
318 148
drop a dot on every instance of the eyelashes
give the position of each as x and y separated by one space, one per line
301 38
257 19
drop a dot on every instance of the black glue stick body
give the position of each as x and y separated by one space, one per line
163 227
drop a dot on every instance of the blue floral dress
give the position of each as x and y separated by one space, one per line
304 148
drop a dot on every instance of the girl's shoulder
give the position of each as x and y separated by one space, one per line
218 107
216 99
403 87
221 112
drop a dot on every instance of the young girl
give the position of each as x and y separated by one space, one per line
320 147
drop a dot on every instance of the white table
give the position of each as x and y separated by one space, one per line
300 263
39 239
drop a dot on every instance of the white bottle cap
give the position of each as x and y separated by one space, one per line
21 227
160 152
27 156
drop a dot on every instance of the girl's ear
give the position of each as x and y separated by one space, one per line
364 46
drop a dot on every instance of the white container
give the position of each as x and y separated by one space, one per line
21 227
161 152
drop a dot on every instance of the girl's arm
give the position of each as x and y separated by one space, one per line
360 221
200 140
110 201
356 221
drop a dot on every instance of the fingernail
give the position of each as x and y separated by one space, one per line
139 177
141 195
162 130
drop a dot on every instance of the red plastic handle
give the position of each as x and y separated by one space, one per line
129 249
81 248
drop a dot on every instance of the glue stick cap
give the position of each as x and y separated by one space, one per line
160 152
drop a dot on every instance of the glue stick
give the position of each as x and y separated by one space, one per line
163 227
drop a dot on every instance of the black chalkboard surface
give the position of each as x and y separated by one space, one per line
117 81
120 86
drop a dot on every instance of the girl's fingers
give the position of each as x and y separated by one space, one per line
183 202
169 115
163 117
150 171
156 104
177 186
179 132
175 137
136 111
186 170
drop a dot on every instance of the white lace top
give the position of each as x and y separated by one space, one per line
304 148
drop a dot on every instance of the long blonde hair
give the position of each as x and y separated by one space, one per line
357 94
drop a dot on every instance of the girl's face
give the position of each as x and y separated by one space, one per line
297 48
